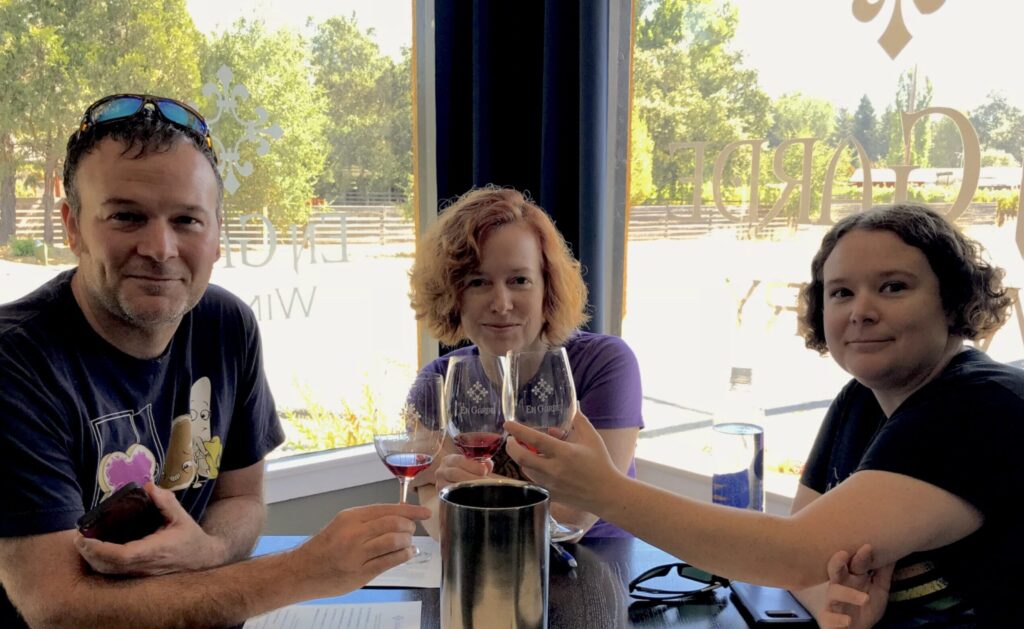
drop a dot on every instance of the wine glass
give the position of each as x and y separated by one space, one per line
473 406
539 392
411 434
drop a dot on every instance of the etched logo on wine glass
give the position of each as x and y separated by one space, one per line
543 389
477 392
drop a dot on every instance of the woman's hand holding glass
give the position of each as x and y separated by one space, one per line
577 471
540 393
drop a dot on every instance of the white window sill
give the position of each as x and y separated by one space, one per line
322 472
317 473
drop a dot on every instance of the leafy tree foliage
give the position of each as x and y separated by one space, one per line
947 145
911 95
690 86
59 56
866 128
369 104
641 153
1000 125
274 68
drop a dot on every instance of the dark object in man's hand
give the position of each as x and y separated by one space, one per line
129 514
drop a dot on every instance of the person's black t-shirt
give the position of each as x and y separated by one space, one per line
961 432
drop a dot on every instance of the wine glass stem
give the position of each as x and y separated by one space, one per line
404 496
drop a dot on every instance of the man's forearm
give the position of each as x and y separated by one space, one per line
208 598
237 523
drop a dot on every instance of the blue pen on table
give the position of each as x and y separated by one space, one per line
564 554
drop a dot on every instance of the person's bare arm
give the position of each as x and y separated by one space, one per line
814 598
236 513
621 444
896 514
227 533
49 584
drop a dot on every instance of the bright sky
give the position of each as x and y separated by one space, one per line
968 47
391 20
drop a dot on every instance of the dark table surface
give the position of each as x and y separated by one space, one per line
593 595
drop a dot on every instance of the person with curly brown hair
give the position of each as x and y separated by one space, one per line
495 271
916 457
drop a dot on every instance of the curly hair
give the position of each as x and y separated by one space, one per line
971 289
450 251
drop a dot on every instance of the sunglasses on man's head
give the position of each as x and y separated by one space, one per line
676 595
123 106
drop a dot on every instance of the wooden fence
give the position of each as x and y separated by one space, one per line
385 225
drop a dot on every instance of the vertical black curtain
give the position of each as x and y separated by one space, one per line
522 101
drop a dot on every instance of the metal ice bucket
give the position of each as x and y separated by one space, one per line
494 555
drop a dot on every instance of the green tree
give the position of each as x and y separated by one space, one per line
369 100
997 157
1000 125
689 85
866 128
796 116
272 69
911 95
947 146
8 114
641 149
62 55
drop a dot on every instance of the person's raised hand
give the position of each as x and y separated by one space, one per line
857 596
357 545
571 468
180 545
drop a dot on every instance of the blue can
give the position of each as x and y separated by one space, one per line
738 450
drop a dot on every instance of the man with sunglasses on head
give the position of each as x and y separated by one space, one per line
132 368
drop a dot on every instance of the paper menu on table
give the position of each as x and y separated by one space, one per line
404 615
415 575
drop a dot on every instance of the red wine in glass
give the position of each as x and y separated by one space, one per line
473 404
408 464
478 445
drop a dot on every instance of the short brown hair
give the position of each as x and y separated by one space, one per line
450 250
972 290
141 135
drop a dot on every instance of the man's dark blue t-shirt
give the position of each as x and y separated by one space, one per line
79 418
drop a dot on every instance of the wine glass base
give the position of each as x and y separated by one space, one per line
563 532
420 556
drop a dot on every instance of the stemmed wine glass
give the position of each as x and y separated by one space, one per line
411 434
539 392
472 399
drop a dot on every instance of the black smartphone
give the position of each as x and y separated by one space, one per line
128 514
769 606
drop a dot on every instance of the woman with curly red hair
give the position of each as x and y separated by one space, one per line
495 271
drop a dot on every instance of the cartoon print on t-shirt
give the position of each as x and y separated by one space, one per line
117 469
128 448
180 469
206 450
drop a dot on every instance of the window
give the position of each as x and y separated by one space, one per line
752 129
311 111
